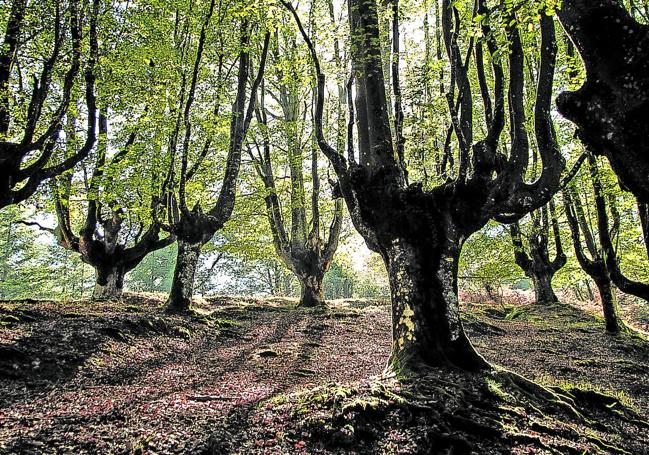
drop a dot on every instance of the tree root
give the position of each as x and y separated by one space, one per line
458 411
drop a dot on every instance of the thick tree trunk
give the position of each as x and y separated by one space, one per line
182 287
612 107
312 294
426 326
109 284
542 281
612 318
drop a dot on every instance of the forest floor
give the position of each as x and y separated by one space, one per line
259 376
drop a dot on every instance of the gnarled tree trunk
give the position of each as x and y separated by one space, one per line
614 323
426 326
543 291
109 283
312 290
419 233
611 109
537 265
182 289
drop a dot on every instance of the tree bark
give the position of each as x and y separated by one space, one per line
312 294
109 284
426 326
643 210
610 309
182 288
543 291
612 107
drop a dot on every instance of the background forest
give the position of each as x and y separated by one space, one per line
140 79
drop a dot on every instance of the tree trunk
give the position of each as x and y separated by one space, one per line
109 284
312 294
182 287
542 281
612 318
426 326
612 107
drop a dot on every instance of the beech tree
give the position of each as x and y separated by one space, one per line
536 261
301 247
611 109
595 265
111 240
32 115
195 227
419 233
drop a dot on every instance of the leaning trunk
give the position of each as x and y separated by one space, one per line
610 309
426 326
109 284
312 294
542 281
182 287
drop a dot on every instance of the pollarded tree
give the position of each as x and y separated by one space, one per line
113 238
605 231
47 39
419 233
537 264
300 247
592 263
195 227
611 109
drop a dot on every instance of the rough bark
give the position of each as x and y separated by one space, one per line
614 323
611 109
312 291
182 288
426 326
109 284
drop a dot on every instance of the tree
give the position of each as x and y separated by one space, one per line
194 228
537 265
110 240
31 118
595 265
611 109
604 230
419 233
304 251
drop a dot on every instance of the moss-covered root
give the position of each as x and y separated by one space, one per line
497 411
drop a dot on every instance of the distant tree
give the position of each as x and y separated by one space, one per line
305 251
535 259
111 240
594 265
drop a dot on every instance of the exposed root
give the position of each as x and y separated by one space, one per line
450 411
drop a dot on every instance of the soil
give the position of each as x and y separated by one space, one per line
247 375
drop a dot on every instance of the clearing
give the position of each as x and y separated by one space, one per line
259 376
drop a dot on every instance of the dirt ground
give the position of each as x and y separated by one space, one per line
126 378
